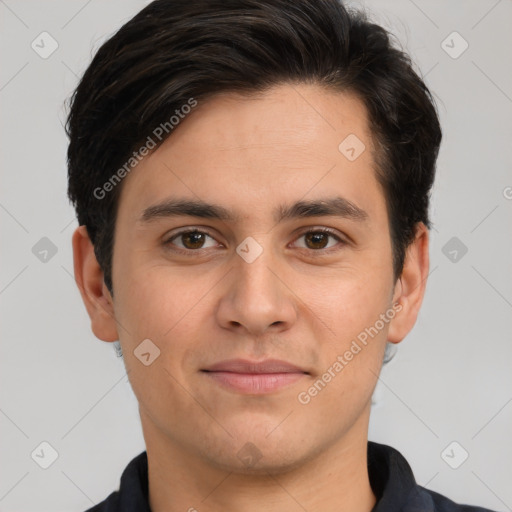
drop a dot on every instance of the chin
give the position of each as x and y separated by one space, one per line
256 459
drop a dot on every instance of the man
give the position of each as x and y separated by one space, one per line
251 180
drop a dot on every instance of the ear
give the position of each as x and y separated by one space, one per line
410 287
89 279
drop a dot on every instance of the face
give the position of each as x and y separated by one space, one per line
256 278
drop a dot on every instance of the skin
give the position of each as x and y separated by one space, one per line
250 154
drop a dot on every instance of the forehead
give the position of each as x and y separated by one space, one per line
289 142
306 119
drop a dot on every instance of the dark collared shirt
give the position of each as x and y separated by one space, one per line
390 475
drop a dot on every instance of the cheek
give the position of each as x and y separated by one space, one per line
351 302
154 300
144 309
352 356
354 341
171 310
153 306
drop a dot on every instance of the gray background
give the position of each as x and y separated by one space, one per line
450 380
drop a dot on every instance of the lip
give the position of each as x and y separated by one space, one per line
253 377
247 366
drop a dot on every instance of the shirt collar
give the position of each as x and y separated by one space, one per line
391 479
393 483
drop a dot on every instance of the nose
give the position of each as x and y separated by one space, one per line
256 297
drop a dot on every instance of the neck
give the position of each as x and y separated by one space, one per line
335 479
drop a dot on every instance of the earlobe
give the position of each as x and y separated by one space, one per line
410 288
89 279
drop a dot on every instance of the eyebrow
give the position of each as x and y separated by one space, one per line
175 207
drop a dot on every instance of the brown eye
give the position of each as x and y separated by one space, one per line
193 240
190 240
318 239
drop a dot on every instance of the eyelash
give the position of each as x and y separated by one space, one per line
314 230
